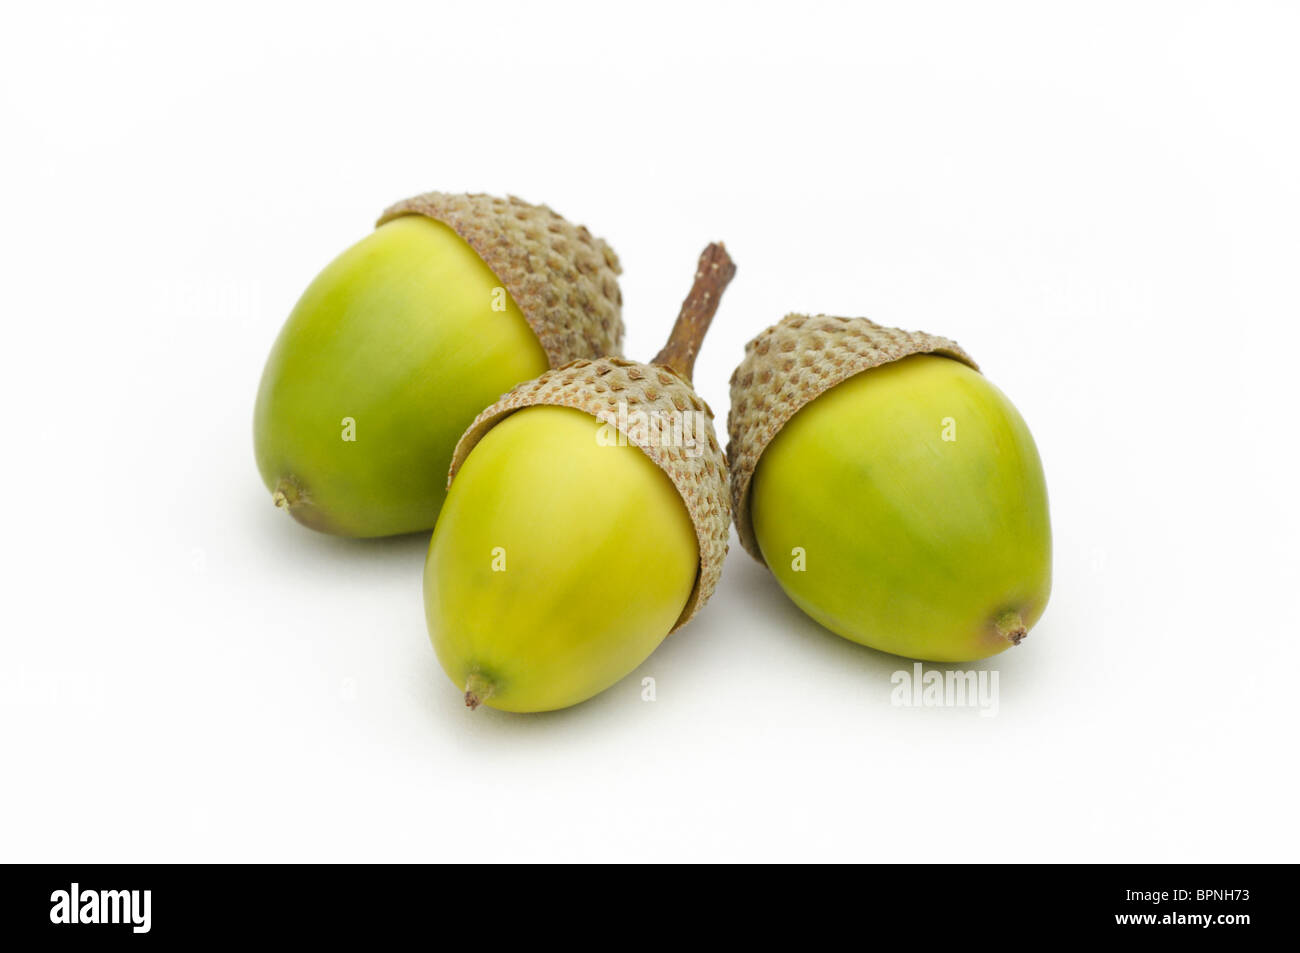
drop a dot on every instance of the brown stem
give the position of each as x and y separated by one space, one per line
712 275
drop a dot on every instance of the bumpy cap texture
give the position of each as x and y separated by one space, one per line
564 279
599 387
790 365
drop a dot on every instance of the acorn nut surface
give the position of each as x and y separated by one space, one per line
396 346
587 518
894 492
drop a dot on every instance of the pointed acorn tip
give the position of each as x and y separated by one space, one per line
1011 627
477 690
285 494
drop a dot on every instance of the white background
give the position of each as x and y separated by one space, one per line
1100 201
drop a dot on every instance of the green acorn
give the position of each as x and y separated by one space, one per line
397 345
894 492
587 519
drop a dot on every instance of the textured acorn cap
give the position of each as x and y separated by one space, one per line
790 365
597 388
563 278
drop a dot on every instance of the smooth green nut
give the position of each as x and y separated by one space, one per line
558 563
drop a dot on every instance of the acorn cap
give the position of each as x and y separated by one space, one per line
597 388
562 277
612 389
790 365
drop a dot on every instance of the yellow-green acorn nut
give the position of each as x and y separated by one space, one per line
895 493
402 339
587 518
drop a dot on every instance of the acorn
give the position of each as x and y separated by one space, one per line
396 346
587 518
894 492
